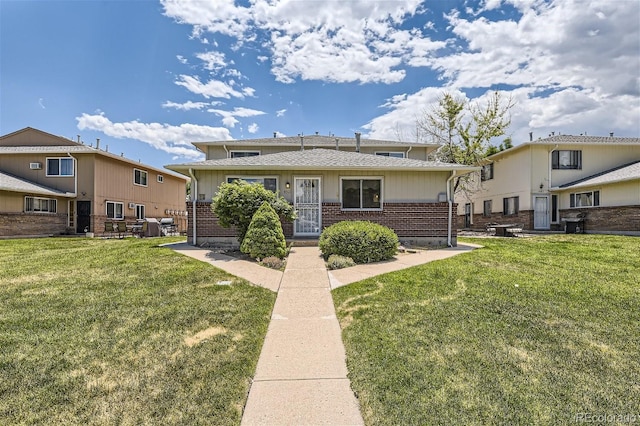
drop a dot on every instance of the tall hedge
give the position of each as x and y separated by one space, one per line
264 236
235 204
362 241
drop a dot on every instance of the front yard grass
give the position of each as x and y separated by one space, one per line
123 332
523 331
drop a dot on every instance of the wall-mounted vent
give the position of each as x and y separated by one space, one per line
132 205
35 166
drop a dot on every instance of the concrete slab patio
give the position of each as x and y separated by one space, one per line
301 376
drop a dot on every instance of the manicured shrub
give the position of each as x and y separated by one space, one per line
264 237
336 261
235 204
362 241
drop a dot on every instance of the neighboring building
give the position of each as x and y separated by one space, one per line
541 183
50 185
330 180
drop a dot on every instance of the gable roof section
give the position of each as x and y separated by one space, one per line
15 184
77 149
314 141
622 173
570 140
320 159
33 137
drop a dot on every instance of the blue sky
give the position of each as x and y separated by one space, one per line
149 77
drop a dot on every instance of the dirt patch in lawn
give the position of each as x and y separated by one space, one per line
204 335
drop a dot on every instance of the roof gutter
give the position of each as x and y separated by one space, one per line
194 190
450 201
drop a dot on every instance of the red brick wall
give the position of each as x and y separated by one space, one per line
608 219
22 224
408 220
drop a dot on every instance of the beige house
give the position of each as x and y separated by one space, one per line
50 185
548 183
329 179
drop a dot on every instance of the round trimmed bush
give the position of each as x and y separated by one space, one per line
362 241
264 236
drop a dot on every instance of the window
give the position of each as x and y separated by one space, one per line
40 205
140 177
238 154
487 208
391 154
566 159
160 178
510 206
60 166
584 199
361 193
115 210
140 211
487 172
270 183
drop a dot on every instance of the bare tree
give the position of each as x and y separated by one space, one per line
464 130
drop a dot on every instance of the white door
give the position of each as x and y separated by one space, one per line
541 212
307 202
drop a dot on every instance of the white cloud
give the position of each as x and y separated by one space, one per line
356 41
210 89
572 67
280 112
253 128
229 117
186 106
182 59
172 139
213 61
41 103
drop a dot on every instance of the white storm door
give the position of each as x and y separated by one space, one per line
307 202
540 212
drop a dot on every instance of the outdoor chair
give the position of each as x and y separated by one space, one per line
140 229
122 229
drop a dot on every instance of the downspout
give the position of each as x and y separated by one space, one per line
194 197
75 175
450 201
406 155
550 165
226 150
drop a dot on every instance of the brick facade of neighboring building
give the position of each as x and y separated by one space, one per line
29 224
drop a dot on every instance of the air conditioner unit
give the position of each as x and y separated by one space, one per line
132 205
35 166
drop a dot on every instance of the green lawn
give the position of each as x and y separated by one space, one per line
123 332
523 331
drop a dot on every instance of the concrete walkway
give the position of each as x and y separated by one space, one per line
301 377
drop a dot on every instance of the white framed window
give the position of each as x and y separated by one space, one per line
566 159
160 179
115 210
238 154
140 177
396 154
140 211
510 206
361 193
486 173
62 166
40 205
584 199
269 182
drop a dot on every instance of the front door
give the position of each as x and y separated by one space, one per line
84 216
540 212
308 204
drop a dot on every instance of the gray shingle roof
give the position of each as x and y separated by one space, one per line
618 174
311 141
320 159
571 139
15 184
